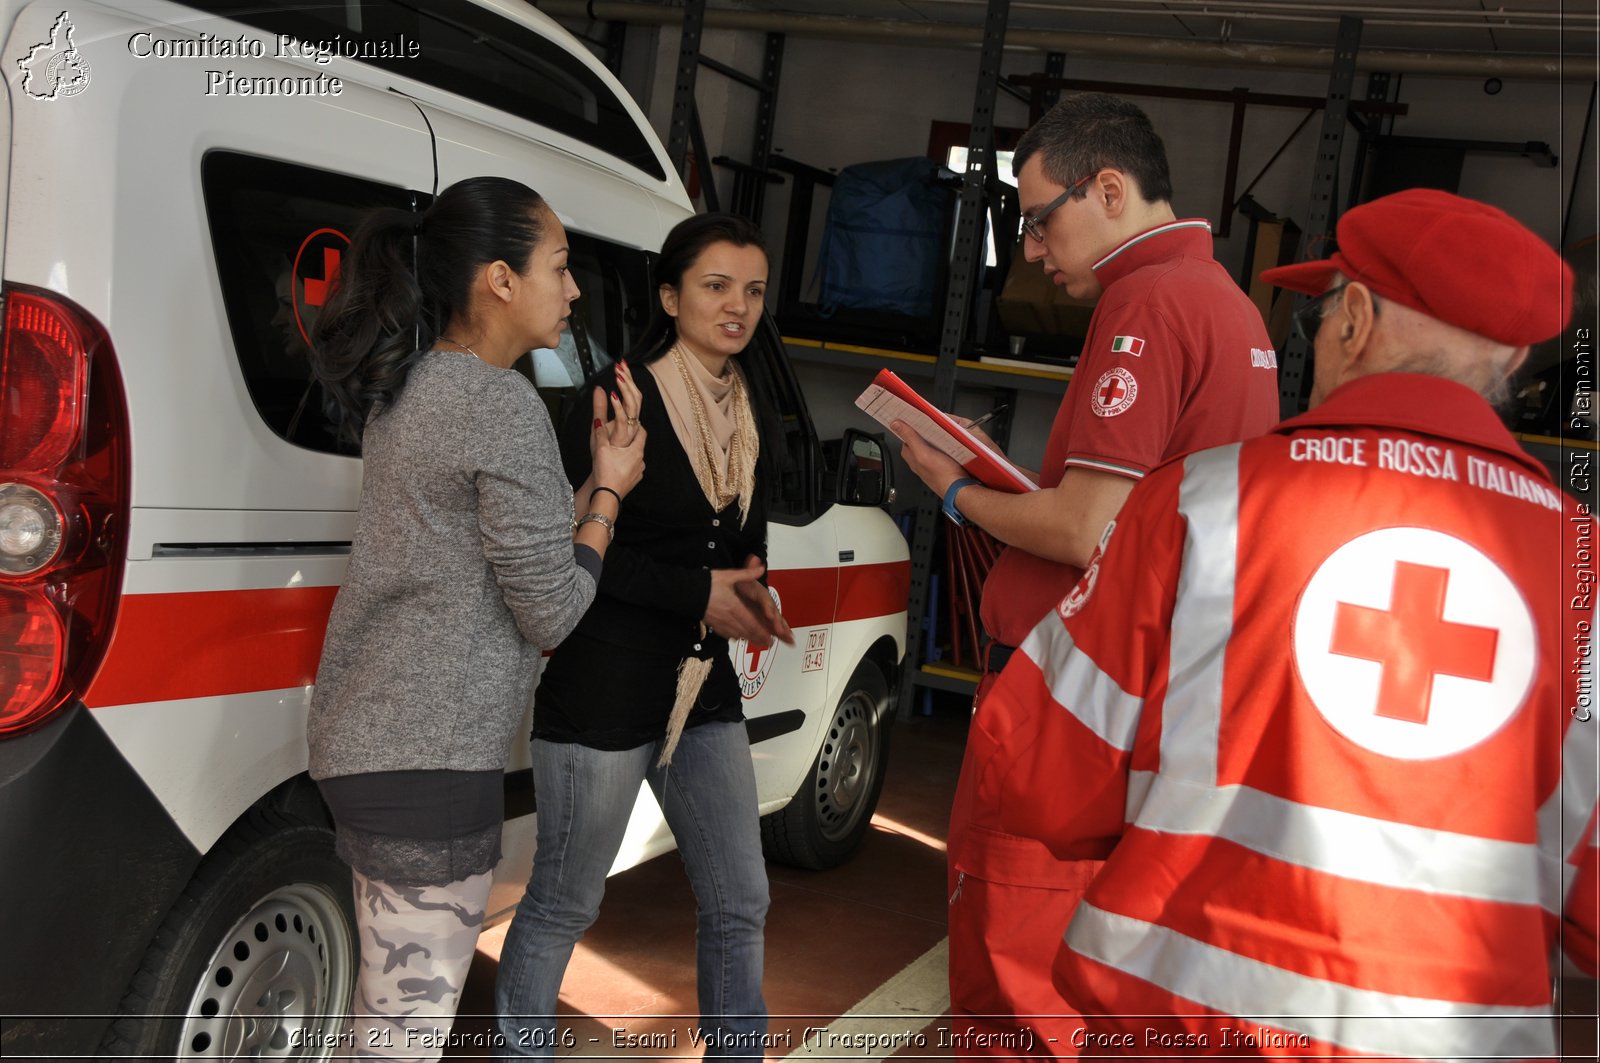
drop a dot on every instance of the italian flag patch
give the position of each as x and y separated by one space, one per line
1127 345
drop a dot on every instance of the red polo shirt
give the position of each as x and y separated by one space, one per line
1177 359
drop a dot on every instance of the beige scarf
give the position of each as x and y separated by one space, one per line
716 427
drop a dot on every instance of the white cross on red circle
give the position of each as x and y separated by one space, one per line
1413 643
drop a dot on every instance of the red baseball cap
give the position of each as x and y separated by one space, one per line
1457 260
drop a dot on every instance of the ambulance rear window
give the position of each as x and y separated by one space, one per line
467 50
279 232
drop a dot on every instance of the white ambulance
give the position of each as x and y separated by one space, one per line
175 512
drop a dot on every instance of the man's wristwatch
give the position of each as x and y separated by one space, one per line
950 509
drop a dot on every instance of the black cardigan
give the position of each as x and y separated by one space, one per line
611 683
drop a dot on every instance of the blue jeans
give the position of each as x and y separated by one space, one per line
585 797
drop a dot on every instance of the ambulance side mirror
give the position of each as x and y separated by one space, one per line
865 475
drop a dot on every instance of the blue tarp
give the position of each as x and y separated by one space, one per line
883 248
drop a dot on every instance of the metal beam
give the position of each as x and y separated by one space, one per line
1178 92
733 73
616 42
965 260
1577 167
766 109
1044 93
694 13
1015 93
1537 150
1275 155
1173 52
702 160
1323 212
1377 92
1231 178
1055 65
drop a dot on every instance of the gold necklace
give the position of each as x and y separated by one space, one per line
463 346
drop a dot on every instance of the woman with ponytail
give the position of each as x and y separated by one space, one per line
644 689
466 564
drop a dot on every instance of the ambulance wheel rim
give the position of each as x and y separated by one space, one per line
846 769
264 995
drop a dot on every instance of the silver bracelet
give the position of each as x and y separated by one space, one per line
596 518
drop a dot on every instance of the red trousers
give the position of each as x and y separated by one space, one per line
1010 903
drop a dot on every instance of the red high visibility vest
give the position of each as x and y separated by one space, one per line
1324 704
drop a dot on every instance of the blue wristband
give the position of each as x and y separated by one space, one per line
950 492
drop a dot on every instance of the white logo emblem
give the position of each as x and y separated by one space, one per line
55 69
754 663
1114 392
1078 597
1413 644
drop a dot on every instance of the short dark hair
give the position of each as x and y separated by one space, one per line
1092 131
683 245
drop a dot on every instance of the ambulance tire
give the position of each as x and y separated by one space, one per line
255 960
825 822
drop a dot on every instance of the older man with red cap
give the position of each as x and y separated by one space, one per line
1320 700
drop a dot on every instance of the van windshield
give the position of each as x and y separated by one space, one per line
465 49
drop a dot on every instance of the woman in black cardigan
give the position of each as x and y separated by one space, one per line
644 690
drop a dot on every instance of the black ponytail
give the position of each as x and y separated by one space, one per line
682 246
406 277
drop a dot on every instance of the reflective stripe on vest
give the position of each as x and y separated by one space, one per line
1185 799
1202 616
1383 1023
1096 699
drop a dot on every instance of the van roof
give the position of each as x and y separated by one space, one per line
537 72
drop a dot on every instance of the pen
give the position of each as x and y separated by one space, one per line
991 415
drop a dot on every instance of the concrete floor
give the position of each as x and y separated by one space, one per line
858 951
833 937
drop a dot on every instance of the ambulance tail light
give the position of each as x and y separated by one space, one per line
64 495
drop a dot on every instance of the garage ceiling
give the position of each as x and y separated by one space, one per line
1520 27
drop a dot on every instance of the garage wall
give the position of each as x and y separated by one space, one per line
841 103
844 102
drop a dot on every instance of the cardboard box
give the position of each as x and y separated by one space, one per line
1032 306
1276 243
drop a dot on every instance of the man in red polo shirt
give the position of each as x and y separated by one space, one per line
1327 710
1176 359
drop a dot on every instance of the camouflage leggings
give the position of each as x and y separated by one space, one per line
416 945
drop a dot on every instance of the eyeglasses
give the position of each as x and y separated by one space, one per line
1308 319
1033 224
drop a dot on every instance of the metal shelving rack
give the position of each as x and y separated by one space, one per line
969 372
949 369
965 261
1324 209
750 178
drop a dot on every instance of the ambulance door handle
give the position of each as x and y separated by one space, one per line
846 555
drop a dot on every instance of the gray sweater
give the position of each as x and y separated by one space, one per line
461 570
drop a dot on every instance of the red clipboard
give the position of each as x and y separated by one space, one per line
889 398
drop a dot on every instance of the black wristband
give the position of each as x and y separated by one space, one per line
608 491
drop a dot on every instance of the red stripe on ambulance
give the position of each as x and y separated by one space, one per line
168 647
812 597
866 591
212 643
